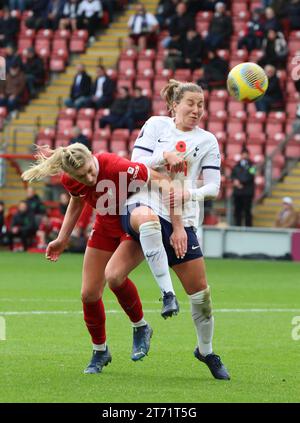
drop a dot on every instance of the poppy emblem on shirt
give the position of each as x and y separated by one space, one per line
181 146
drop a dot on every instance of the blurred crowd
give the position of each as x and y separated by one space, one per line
34 223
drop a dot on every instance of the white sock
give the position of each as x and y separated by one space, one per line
140 323
155 254
201 308
100 347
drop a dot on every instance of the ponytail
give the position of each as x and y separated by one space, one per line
62 159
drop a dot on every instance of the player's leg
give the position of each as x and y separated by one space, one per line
193 278
126 258
144 222
93 283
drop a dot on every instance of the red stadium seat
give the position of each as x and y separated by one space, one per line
99 145
218 94
144 64
45 33
235 126
129 54
118 145
83 123
291 109
204 16
145 85
273 128
64 123
215 126
59 43
235 106
3 112
183 75
147 54
158 84
292 150
254 127
120 135
57 64
216 105
145 74
68 113
78 41
124 65
62 34
125 83
233 148
255 149
86 113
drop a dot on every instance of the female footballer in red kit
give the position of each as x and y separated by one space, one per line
95 179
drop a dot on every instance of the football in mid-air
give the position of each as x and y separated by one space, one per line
247 82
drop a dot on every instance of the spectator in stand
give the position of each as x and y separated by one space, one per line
54 13
242 176
22 226
292 13
118 110
275 50
34 71
35 205
9 28
12 89
79 137
69 15
164 12
138 110
89 14
64 200
80 90
11 57
111 6
255 33
179 24
186 53
214 73
2 221
142 28
287 217
274 95
103 90
17 5
39 18
220 28
271 21
208 5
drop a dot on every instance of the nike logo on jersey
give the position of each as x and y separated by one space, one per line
194 247
159 140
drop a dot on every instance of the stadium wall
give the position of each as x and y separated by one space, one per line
250 243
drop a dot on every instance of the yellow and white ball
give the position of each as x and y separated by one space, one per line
247 82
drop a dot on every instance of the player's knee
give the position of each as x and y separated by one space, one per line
89 296
142 215
202 300
113 278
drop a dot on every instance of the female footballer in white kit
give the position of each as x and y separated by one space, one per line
179 147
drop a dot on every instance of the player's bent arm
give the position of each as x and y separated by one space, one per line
73 212
210 188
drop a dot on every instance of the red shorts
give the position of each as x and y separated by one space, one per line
102 240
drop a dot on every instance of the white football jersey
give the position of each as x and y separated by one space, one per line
199 148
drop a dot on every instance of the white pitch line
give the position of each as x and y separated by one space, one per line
218 310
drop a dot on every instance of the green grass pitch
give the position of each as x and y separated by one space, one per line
43 356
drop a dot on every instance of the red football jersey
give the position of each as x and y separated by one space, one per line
108 195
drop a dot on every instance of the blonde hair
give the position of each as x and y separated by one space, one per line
51 162
174 91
